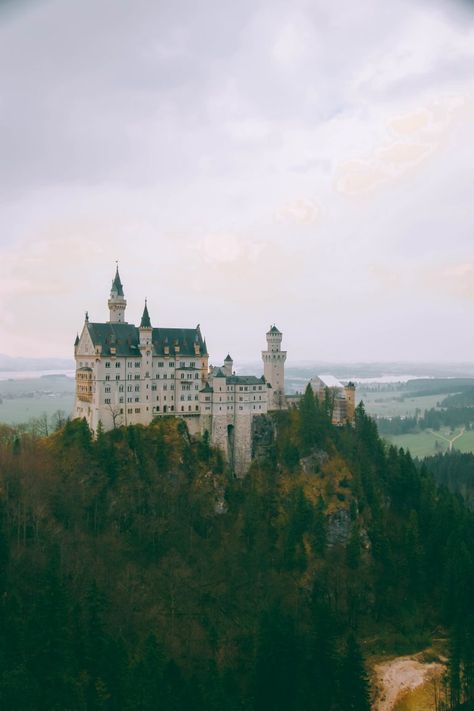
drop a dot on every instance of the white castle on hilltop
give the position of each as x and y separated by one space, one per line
129 375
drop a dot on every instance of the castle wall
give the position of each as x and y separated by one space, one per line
242 444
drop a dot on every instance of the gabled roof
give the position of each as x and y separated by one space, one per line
207 389
274 330
218 373
329 381
228 359
244 380
125 338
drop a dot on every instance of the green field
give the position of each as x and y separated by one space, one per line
396 403
427 443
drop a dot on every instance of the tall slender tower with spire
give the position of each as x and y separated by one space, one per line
117 302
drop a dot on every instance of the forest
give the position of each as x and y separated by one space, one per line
137 573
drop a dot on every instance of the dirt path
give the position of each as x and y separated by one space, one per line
394 677
449 441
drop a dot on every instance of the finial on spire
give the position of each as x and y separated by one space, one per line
87 316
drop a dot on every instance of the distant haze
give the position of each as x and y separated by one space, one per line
308 164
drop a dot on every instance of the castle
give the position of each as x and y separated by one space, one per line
129 375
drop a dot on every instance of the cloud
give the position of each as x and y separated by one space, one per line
244 161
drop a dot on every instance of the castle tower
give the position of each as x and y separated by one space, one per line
350 391
274 368
145 328
228 365
117 303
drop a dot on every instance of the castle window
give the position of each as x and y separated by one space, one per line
181 397
189 408
121 399
137 388
120 388
182 364
197 408
137 409
189 397
182 376
137 364
160 364
129 399
129 410
107 364
117 377
137 399
153 387
182 408
129 388
107 390
157 376
117 364
165 376
107 401
107 377
137 377
129 376
192 364
171 364
189 376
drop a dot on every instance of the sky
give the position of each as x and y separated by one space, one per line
305 163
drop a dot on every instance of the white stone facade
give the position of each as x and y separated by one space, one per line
130 375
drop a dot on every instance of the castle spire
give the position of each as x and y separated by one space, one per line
117 303
117 288
145 322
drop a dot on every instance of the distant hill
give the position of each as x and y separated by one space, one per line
12 363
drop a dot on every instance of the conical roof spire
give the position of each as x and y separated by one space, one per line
117 288
145 322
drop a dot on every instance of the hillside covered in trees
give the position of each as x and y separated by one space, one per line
136 573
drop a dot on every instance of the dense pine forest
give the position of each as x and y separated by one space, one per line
137 573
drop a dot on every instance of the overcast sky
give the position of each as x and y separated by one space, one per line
306 163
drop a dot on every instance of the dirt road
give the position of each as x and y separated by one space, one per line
394 677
